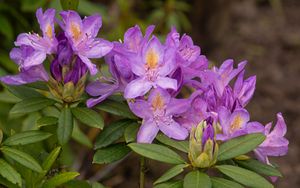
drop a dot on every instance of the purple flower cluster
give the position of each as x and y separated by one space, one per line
152 74
69 51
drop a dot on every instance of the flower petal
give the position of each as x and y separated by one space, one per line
92 67
147 132
173 130
91 25
140 108
166 83
137 87
98 48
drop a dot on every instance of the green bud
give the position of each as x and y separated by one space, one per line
203 148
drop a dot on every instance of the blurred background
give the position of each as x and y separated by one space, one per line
264 32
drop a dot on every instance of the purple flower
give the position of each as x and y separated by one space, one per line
233 124
66 67
151 65
275 144
220 77
26 75
82 37
158 114
188 56
41 45
244 89
119 66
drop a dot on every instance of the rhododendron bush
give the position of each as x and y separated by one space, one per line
173 105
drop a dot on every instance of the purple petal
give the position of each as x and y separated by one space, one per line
91 25
46 21
173 130
92 67
169 64
137 87
98 48
147 132
140 108
161 93
166 83
177 106
255 127
93 101
33 74
133 38
99 88
153 53
280 127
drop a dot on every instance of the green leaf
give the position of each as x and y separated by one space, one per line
172 172
240 145
31 105
116 108
51 158
196 179
7 183
23 92
10 173
46 120
259 167
111 133
77 184
111 154
65 126
180 145
245 177
32 5
1 136
170 184
80 137
22 158
131 132
69 4
88 117
6 28
224 183
97 185
60 179
157 152
26 137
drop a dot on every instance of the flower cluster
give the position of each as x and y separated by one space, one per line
69 53
151 75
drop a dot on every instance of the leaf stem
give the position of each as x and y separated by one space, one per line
142 172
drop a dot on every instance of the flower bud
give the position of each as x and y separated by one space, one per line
68 73
203 148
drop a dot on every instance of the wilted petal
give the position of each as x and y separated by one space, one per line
147 132
137 87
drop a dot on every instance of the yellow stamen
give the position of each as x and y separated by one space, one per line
75 31
151 59
158 102
236 124
49 31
